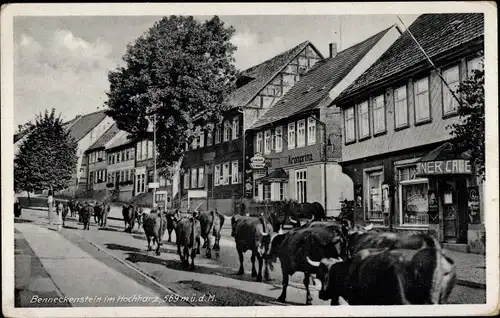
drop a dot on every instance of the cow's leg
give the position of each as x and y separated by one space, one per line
157 245
186 253
282 297
252 259
169 235
308 293
205 238
260 259
193 256
149 242
198 244
267 277
217 245
240 256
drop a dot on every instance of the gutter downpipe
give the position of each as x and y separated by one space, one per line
243 163
324 161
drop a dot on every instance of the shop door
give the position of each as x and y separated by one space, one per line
454 211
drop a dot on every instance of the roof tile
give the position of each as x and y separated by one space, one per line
85 124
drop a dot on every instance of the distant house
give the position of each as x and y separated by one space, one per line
299 138
214 165
395 140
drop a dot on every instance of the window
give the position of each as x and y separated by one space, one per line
201 140
143 182
374 194
234 172
150 149
227 131
422 105
194 143
216 175
144 150
311 131
267 191
452 78
349 125
218 133
291 135
201 176
162 181
236 128
401 107
413 197
109 159
378 114
278 139
363 120
301 185
282 191
474 64
258 143
194 178
301 133
186 180
225 173
209 138
117 157
91 177
140 185
267 141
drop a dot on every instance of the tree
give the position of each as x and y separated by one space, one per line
47 158
180 69
468 133
24 127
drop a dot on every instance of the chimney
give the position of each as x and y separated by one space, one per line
333 49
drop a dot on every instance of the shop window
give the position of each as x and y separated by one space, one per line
401 107
282 191
194 178
452 78
186 180
258 143
374 194
378 114
311 131
412 197
291 135
267 191
278 139
301 185
216 175
422 104
301 133
201 177
234 172
349 125
267 141
363 120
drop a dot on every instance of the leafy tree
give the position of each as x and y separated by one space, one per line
468 133
180 69
47 158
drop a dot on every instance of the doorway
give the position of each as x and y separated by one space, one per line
454 204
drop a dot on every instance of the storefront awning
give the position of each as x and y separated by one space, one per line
443 161
277 175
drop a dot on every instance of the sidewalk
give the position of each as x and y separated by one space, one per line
69 275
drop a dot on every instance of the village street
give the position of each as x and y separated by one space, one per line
123 258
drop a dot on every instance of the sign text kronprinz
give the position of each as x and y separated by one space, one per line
300 159
458 166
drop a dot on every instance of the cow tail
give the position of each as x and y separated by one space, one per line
437 278
211 229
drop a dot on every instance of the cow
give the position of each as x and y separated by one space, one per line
408 276
211 223
86 211
172 219
293 248
128 213
72 207
139 215
65 210
294 211
79 208
154 225
252 234
188 240
98 212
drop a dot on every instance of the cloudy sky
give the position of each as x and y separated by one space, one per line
63 62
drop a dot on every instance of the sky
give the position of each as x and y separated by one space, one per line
63 61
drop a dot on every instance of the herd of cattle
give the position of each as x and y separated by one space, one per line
355 265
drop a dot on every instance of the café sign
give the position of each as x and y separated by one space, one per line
258 162
438 167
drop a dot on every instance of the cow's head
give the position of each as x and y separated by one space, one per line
234 220
325 267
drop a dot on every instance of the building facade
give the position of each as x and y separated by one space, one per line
120 157
297 142
213 165
395 119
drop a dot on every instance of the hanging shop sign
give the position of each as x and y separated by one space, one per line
458 166
433 207
473 204
258 162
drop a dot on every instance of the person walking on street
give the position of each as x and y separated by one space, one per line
50 203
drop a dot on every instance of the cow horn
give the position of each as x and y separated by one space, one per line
293 221
280 230
264 233
312 263
369 227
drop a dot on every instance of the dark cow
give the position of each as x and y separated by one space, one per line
98 212
172 219
188 240
128 213
154 225
294 211
252 234
293 248
211 223
423 276
79 208
86 211
72 207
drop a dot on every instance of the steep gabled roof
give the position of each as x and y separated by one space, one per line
85 124
436 33
316 84
258 76
121 139
106 137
